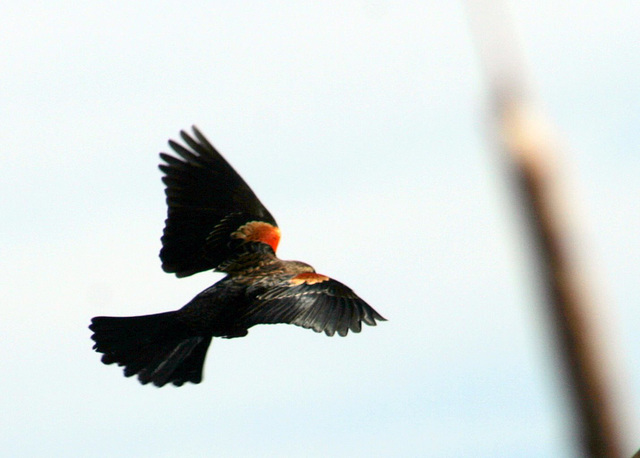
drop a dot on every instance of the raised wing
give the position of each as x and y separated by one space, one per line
211 212
315 302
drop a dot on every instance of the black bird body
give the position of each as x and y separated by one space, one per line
215 222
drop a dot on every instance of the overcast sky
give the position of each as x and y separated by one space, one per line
359 124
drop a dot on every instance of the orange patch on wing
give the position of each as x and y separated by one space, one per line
259 231
309 278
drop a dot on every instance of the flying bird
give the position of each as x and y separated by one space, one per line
216 222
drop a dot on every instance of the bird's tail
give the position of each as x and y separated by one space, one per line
158 347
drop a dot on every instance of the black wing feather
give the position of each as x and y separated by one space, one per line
327 306
205 196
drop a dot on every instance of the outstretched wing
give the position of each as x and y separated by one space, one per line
315 302
211 210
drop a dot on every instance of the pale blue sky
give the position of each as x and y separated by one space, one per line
359 124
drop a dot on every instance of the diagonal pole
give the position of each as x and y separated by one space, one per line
532 157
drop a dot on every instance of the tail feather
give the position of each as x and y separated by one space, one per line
158 348
178 364
191 368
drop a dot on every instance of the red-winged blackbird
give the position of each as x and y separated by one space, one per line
215 222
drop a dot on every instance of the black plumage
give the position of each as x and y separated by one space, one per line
206 200
216 222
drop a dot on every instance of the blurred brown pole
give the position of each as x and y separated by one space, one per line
569 306
532 157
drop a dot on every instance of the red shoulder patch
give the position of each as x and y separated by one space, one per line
259 231
309 278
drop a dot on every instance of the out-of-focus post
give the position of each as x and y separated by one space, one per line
532 156
570 304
